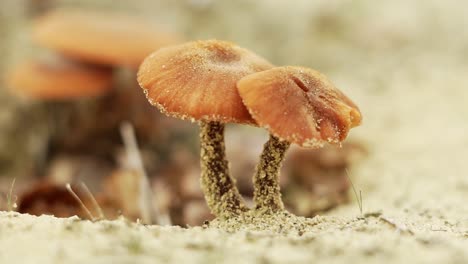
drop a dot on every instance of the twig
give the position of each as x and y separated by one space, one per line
402 228
373 214
93 200
131 146
149 212
70 190
358 198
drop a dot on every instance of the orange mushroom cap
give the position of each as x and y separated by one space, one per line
299 105
99 38
197 80
58 80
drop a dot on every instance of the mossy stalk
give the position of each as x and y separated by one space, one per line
221 193
267 195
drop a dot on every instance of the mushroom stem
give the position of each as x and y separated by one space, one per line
221 193
267 195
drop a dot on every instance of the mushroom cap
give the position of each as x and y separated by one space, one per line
197 80
99 38
299 105
58 80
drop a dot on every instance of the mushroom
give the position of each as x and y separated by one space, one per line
58 80
109 39
197 81
297 105
56 83
98 37
115 41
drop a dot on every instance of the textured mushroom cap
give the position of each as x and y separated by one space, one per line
58 80
197 80
99 38
299 105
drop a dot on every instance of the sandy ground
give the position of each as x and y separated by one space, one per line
406 68
28 239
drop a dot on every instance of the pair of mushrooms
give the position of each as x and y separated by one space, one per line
216 82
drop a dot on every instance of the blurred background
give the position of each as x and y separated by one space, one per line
385 55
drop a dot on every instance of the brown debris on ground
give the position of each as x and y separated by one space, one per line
51 199
317 179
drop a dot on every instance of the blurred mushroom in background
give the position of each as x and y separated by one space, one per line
82 57
63 92
91 36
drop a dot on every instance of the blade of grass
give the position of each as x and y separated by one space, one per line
77 198
358 198
93 200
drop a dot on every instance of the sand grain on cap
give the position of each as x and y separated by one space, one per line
58 80
100 38
197 80
299 105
